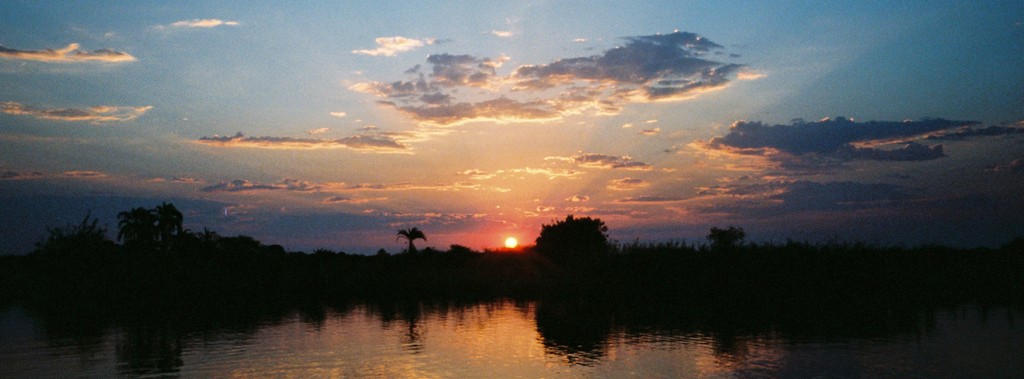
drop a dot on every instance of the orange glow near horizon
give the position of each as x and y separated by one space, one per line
511 243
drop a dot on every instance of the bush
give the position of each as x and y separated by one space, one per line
573 240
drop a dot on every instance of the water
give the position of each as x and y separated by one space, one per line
507 339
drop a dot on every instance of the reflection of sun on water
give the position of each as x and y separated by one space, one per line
511 242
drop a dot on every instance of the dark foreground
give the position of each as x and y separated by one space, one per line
791 285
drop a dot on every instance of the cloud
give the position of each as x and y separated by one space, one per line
603 161
338 114
970 131
808 195
750 75
203 23
838 138
83 174
647 68
350 200
501 33
497 110
1015 166
239 185
776 197
549 172
578 198
94 115
650 199
650 132
69 54
627 184
359 142
476 174
453 187
316 131
389 46
655 67
185 180
462 70
17 175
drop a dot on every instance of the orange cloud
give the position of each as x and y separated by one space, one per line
93 115
69 54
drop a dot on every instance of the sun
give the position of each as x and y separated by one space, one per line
511 242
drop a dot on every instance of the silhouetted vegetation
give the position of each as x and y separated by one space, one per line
77 274
726 239
574 241
411 235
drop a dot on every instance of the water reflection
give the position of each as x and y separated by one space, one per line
514 339
574 330
149 350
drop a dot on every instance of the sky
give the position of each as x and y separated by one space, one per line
334 124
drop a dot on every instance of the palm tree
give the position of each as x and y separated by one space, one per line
168 222
411 235
137 226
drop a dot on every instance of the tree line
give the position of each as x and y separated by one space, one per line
161 265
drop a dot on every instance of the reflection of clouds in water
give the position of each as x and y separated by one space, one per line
529 339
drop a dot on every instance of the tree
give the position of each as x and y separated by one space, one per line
86 237
726 239
411 235
137 227
168 222
573 240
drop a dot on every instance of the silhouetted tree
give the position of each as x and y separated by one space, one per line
411 235
207 236
137 227
573 239
168 222
725 239
87 237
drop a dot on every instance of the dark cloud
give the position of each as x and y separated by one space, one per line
837 138
783 198
69 54
462 70
967 132
658 66
647 68
627 184
359 142
500 109
1015 166
83 174
605 161
411 187
14 175
650 199
911 151
245 186
831 196
350 200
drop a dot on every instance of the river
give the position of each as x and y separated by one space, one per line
513 339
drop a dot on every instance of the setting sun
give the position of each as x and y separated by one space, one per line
511 242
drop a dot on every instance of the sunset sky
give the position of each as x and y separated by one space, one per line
333 124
